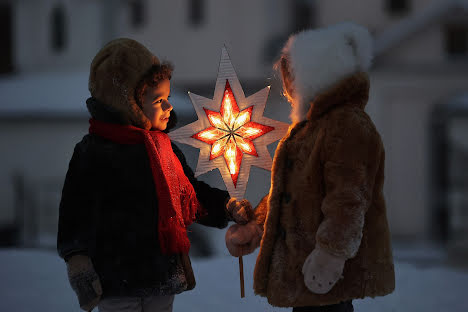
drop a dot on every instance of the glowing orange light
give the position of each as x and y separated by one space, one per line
231 133
218 148
209 135
229 108
215 118
243 118
249 132
231 157
246 146
253 130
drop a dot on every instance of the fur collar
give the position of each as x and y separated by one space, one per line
352 90
320 58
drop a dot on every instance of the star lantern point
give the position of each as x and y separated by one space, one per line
231 131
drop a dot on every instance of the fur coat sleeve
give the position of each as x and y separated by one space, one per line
261 211
350 158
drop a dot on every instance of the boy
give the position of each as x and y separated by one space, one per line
129 194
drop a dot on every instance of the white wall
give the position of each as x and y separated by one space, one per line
243 26
400 100
423 48
40 150
369 13
401 106
32 32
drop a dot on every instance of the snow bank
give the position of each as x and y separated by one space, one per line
36 281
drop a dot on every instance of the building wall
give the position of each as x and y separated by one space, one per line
243 26
401 99
32 39
415 51
370 13
408 81
401 105
39 151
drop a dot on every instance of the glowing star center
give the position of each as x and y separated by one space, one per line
231 132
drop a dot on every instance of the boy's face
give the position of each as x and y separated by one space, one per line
156 106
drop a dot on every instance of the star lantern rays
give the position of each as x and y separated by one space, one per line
232 126
231 132
227 125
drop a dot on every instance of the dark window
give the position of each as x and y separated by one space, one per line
6 57
449 173
398 7
137 13
456 40
58 26
196 9
272 48
303 15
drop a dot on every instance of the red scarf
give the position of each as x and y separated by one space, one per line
177 201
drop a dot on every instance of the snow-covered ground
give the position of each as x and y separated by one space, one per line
35 280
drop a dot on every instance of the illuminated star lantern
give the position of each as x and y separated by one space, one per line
232 126
231 133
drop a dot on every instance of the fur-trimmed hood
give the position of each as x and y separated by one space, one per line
351 90
320 58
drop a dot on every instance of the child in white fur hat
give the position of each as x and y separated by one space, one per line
324 233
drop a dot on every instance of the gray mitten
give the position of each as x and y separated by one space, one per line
322 271
84 281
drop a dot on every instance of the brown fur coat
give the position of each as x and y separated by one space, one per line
326 189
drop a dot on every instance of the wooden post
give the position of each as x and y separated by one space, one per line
241 272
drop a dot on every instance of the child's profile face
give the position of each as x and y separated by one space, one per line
156 106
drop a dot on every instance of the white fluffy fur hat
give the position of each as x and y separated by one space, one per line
320 58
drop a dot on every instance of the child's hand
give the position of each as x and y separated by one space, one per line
84 281
322 270
243 239
241 211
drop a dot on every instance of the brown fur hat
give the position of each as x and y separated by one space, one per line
114 74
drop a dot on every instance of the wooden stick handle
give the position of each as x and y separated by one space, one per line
241 272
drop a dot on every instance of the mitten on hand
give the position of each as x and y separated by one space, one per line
240 211
322 270
84 281
243 239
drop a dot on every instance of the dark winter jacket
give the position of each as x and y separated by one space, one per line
109 211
